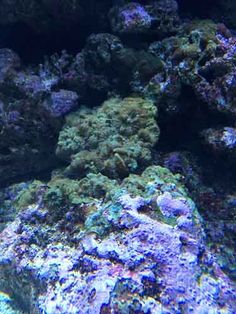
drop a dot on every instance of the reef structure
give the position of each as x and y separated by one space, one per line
138 248
117 158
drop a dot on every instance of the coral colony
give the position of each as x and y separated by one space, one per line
117 157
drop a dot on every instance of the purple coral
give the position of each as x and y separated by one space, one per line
227 45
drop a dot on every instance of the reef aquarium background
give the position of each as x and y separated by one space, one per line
117 157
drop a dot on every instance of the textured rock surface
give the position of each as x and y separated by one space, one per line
105 230
26 132
147 245
159 17
8 197
221 140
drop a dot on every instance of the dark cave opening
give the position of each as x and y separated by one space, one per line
34 37
181 132
32 46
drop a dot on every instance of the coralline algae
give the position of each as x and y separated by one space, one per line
147 259
109 231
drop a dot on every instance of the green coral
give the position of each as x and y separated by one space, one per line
115 139
64 192
153 182
84 196
195 40
8 199
96 201
29 195
154 179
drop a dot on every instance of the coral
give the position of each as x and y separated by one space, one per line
61 102
195 43
8 202
98 226
63 192
32 108
221 140
9 62
215 201
22 120
105 66
160 17
115 139
200 56
133 18
29 195
147 262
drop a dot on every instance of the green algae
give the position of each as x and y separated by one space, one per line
28 196
152 180
68 192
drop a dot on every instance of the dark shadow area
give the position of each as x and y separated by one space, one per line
32 39
200 8
181 132
33 174
32 46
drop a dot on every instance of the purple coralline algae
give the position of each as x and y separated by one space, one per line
200 56
132 18
117 157
160 17
148 259
221 140
61 102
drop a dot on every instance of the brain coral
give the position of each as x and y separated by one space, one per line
115 139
